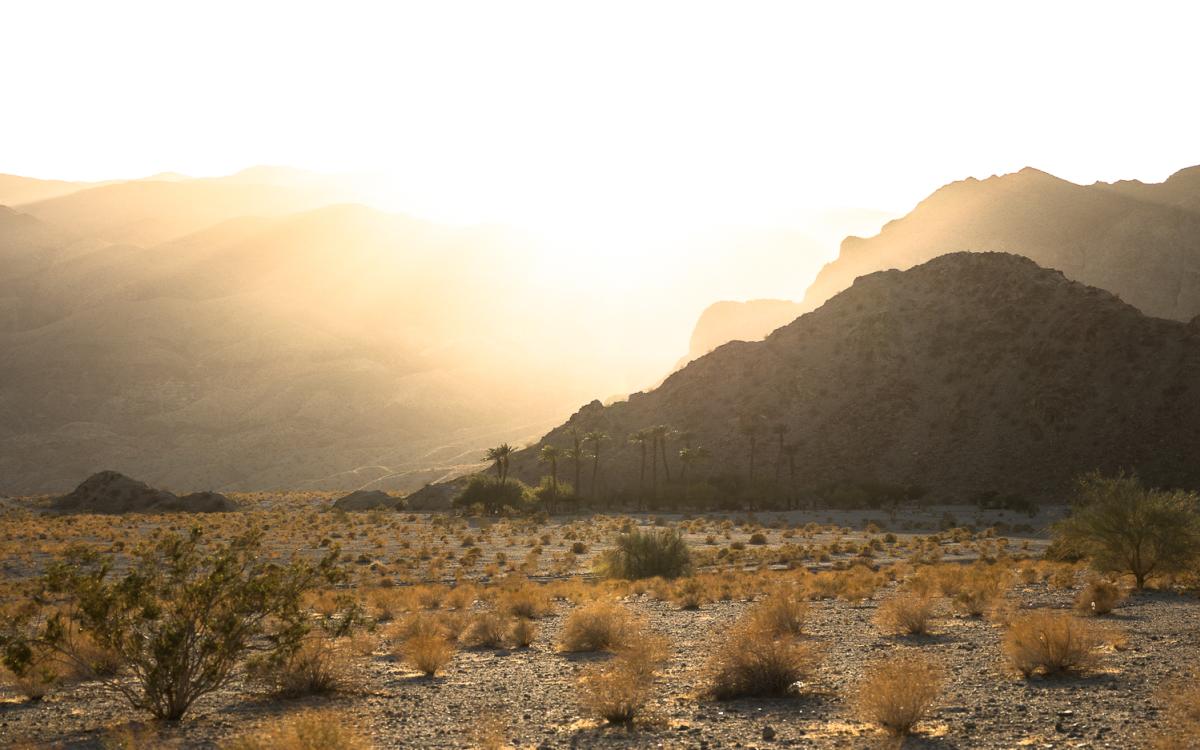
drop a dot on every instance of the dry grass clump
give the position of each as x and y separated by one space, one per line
782 614
979 589
619 690
1099 597
754 661
312 730
318 667
600 626
1049 643
522 632
906 614
898 692
1181 722
485 630
530 602
427 652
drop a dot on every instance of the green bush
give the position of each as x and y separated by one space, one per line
181 616
647 554
1123 527
494 496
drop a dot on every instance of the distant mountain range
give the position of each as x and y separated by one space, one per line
973 372
275 346
1140 241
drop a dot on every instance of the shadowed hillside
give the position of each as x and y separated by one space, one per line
1138 240
973 372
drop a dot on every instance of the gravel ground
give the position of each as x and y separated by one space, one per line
532 693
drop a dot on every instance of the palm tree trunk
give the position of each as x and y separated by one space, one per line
595 470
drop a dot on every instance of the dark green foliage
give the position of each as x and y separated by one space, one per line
647 554
495 496
1125 527
180 617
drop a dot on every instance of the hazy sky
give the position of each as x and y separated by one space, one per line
629 118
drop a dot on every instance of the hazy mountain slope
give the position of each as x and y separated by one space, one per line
15 190
725 321
331 348
974 371
147 212
1142 242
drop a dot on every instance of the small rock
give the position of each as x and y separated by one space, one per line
768 733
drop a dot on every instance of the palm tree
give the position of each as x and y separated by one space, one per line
549 455
689 456
576 454
790 451
664 432
780 429
595 437
751 427
499 456
640 437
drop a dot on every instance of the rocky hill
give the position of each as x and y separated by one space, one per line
1139 241
974 372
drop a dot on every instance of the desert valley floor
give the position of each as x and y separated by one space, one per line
844 565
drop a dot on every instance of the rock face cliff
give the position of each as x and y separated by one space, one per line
972 372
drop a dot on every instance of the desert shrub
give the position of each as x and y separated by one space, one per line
1099 597
752 662
318 667
311 730
181 616
898 692
600 626
758 538
485 630
522 632
906 614
978 589
781 614
494 496
690 593
1124 527
647 554
1049 643
40 673
427 652
530 602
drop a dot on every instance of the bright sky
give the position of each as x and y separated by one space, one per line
612 127
642 114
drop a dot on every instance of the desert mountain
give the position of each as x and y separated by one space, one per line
335 348
972 372
722 322
148 212
1139 241
15 189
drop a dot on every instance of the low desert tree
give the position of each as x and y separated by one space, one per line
647 554
493 495
1124 527
181 616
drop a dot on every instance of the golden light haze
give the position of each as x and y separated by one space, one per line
628 139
